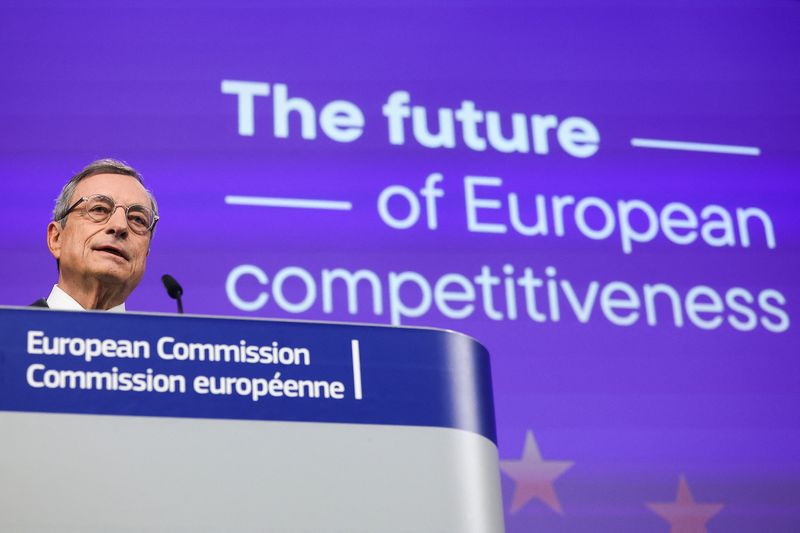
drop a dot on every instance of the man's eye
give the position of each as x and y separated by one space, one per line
139 220
100 209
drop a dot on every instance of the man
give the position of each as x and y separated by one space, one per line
100 235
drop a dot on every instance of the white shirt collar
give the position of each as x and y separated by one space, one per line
61 301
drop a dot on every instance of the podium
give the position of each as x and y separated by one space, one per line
163 423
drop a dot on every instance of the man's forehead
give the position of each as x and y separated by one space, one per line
122 188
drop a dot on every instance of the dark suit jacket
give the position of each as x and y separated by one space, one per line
41 302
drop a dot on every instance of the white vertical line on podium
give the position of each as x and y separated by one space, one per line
356 368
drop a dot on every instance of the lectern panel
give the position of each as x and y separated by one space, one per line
117 423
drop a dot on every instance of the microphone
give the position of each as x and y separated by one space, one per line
174 290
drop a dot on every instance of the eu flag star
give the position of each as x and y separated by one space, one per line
685 515
534 476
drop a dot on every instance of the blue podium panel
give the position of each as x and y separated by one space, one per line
142 422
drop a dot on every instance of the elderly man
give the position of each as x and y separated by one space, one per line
100 235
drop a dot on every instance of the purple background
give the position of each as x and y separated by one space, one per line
633 407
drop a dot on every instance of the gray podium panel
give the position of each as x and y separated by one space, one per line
98 474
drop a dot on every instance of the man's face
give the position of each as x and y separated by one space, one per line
109 252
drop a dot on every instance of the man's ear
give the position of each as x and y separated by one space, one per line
54 230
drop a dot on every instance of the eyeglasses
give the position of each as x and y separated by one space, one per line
99 208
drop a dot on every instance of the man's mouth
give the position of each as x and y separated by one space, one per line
113 251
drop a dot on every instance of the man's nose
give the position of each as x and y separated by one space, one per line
118 222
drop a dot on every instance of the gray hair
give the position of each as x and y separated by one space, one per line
101 166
